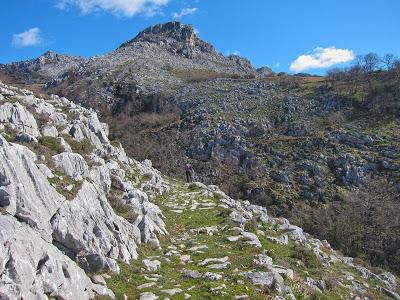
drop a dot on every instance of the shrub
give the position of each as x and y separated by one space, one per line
307 256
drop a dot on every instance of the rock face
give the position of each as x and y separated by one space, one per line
56 221
178 38
31 198
17 117
32 268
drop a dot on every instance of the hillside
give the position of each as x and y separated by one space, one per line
321 151
79 219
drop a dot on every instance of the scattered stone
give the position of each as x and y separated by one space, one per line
208 230
191 274
219 266
152 265
148 296
253 239
261 278
208 261
98 279
146 285
283 240
283 271
184 258
172 292
234 238
212 276
198 248
218 288
263 260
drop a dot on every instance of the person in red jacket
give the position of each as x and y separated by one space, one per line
189 172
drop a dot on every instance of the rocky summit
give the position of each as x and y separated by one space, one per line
81 220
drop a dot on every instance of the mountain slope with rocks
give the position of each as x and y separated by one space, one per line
320 151
81 220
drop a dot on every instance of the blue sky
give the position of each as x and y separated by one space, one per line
287 35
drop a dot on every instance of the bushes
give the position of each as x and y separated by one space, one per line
83 147
52 144
307 256
196 75
120 208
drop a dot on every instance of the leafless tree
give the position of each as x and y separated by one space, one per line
371 62
388 61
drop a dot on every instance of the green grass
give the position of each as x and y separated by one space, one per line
83 147
61 181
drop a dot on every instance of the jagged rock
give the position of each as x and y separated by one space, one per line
4 198
72 164
150 218
49 130
90 230
32 268
16 116
45 170
64 144
31 197
390 293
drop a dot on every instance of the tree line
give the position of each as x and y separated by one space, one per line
368 63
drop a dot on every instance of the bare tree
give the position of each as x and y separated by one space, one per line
371 62
396 68
388 61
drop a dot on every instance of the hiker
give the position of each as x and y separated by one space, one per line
189 172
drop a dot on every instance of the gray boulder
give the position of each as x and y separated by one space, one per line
72 164
32 268
17 116
31 198
93 234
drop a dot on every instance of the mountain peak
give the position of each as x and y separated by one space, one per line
176 30
175 35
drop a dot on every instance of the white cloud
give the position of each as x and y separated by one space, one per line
322 58
184 12
234 52
30 37
127 8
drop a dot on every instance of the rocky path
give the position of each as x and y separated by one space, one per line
217 251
